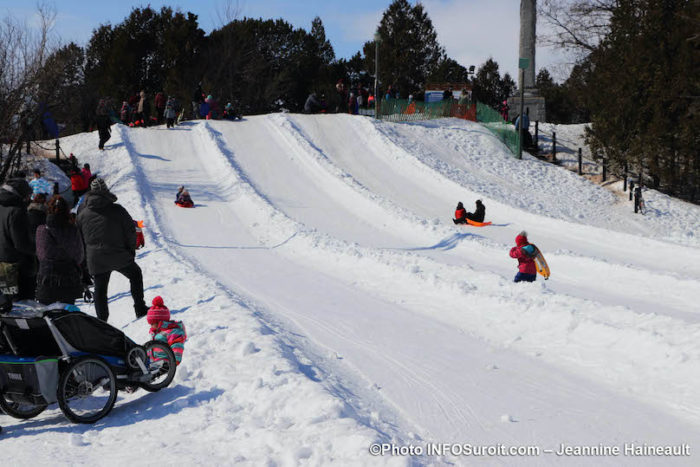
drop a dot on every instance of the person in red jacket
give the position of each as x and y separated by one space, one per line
460 214
87 175
77 184
525 254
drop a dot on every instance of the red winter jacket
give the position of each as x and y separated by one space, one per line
77 182
526 264
460 213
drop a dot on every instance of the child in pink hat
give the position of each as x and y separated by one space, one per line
163 329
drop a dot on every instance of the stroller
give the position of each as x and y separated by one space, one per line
56 353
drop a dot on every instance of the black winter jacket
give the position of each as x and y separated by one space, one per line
36 213
480 213
108 232
59 250
16 244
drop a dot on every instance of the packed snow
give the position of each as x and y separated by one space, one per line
332 305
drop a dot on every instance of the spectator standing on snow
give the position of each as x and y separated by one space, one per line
170 112
77 184
87 175
144 110
524 253
160 102
124 113
341 97
17 251
197 100
110 241
447 94
40 185
36 213
527 137
102 119
59 250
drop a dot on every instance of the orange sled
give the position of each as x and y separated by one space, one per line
185 204
478 224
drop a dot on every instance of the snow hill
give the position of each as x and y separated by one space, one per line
331 303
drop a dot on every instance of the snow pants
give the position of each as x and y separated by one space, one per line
131 272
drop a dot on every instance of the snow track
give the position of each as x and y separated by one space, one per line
323 245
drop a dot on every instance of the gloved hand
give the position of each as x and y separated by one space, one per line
87 295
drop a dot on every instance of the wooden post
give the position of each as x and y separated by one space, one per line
537 133
58 148
554 145
631 188
624 179
580 161
605 168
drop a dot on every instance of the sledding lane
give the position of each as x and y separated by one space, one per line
448 384
580 323
426 186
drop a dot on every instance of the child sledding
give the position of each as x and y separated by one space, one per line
183 198
475 219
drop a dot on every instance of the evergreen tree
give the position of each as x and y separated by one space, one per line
646 78
489 87
409 51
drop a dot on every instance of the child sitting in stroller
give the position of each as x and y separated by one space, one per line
183 199
164 330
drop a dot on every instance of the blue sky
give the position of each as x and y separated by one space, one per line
470 30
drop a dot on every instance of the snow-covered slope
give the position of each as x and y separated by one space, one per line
331 302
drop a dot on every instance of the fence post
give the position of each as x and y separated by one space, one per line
605 168
554 145
624 179
58 148
537 133
631 188
580 161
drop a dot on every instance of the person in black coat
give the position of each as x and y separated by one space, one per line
36 213
102 119
312 105
479 214
59 250
110 245
16 244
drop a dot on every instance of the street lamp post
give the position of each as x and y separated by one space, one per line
523 64
377 39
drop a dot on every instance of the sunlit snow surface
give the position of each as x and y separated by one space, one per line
331 303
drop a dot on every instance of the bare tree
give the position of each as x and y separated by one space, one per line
578 25
23 55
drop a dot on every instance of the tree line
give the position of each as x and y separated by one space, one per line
636 79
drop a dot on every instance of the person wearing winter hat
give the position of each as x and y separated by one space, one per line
17 250
460 214
479 213
524 253
110 245
164 330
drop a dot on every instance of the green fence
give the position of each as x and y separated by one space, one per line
402 110
494 122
